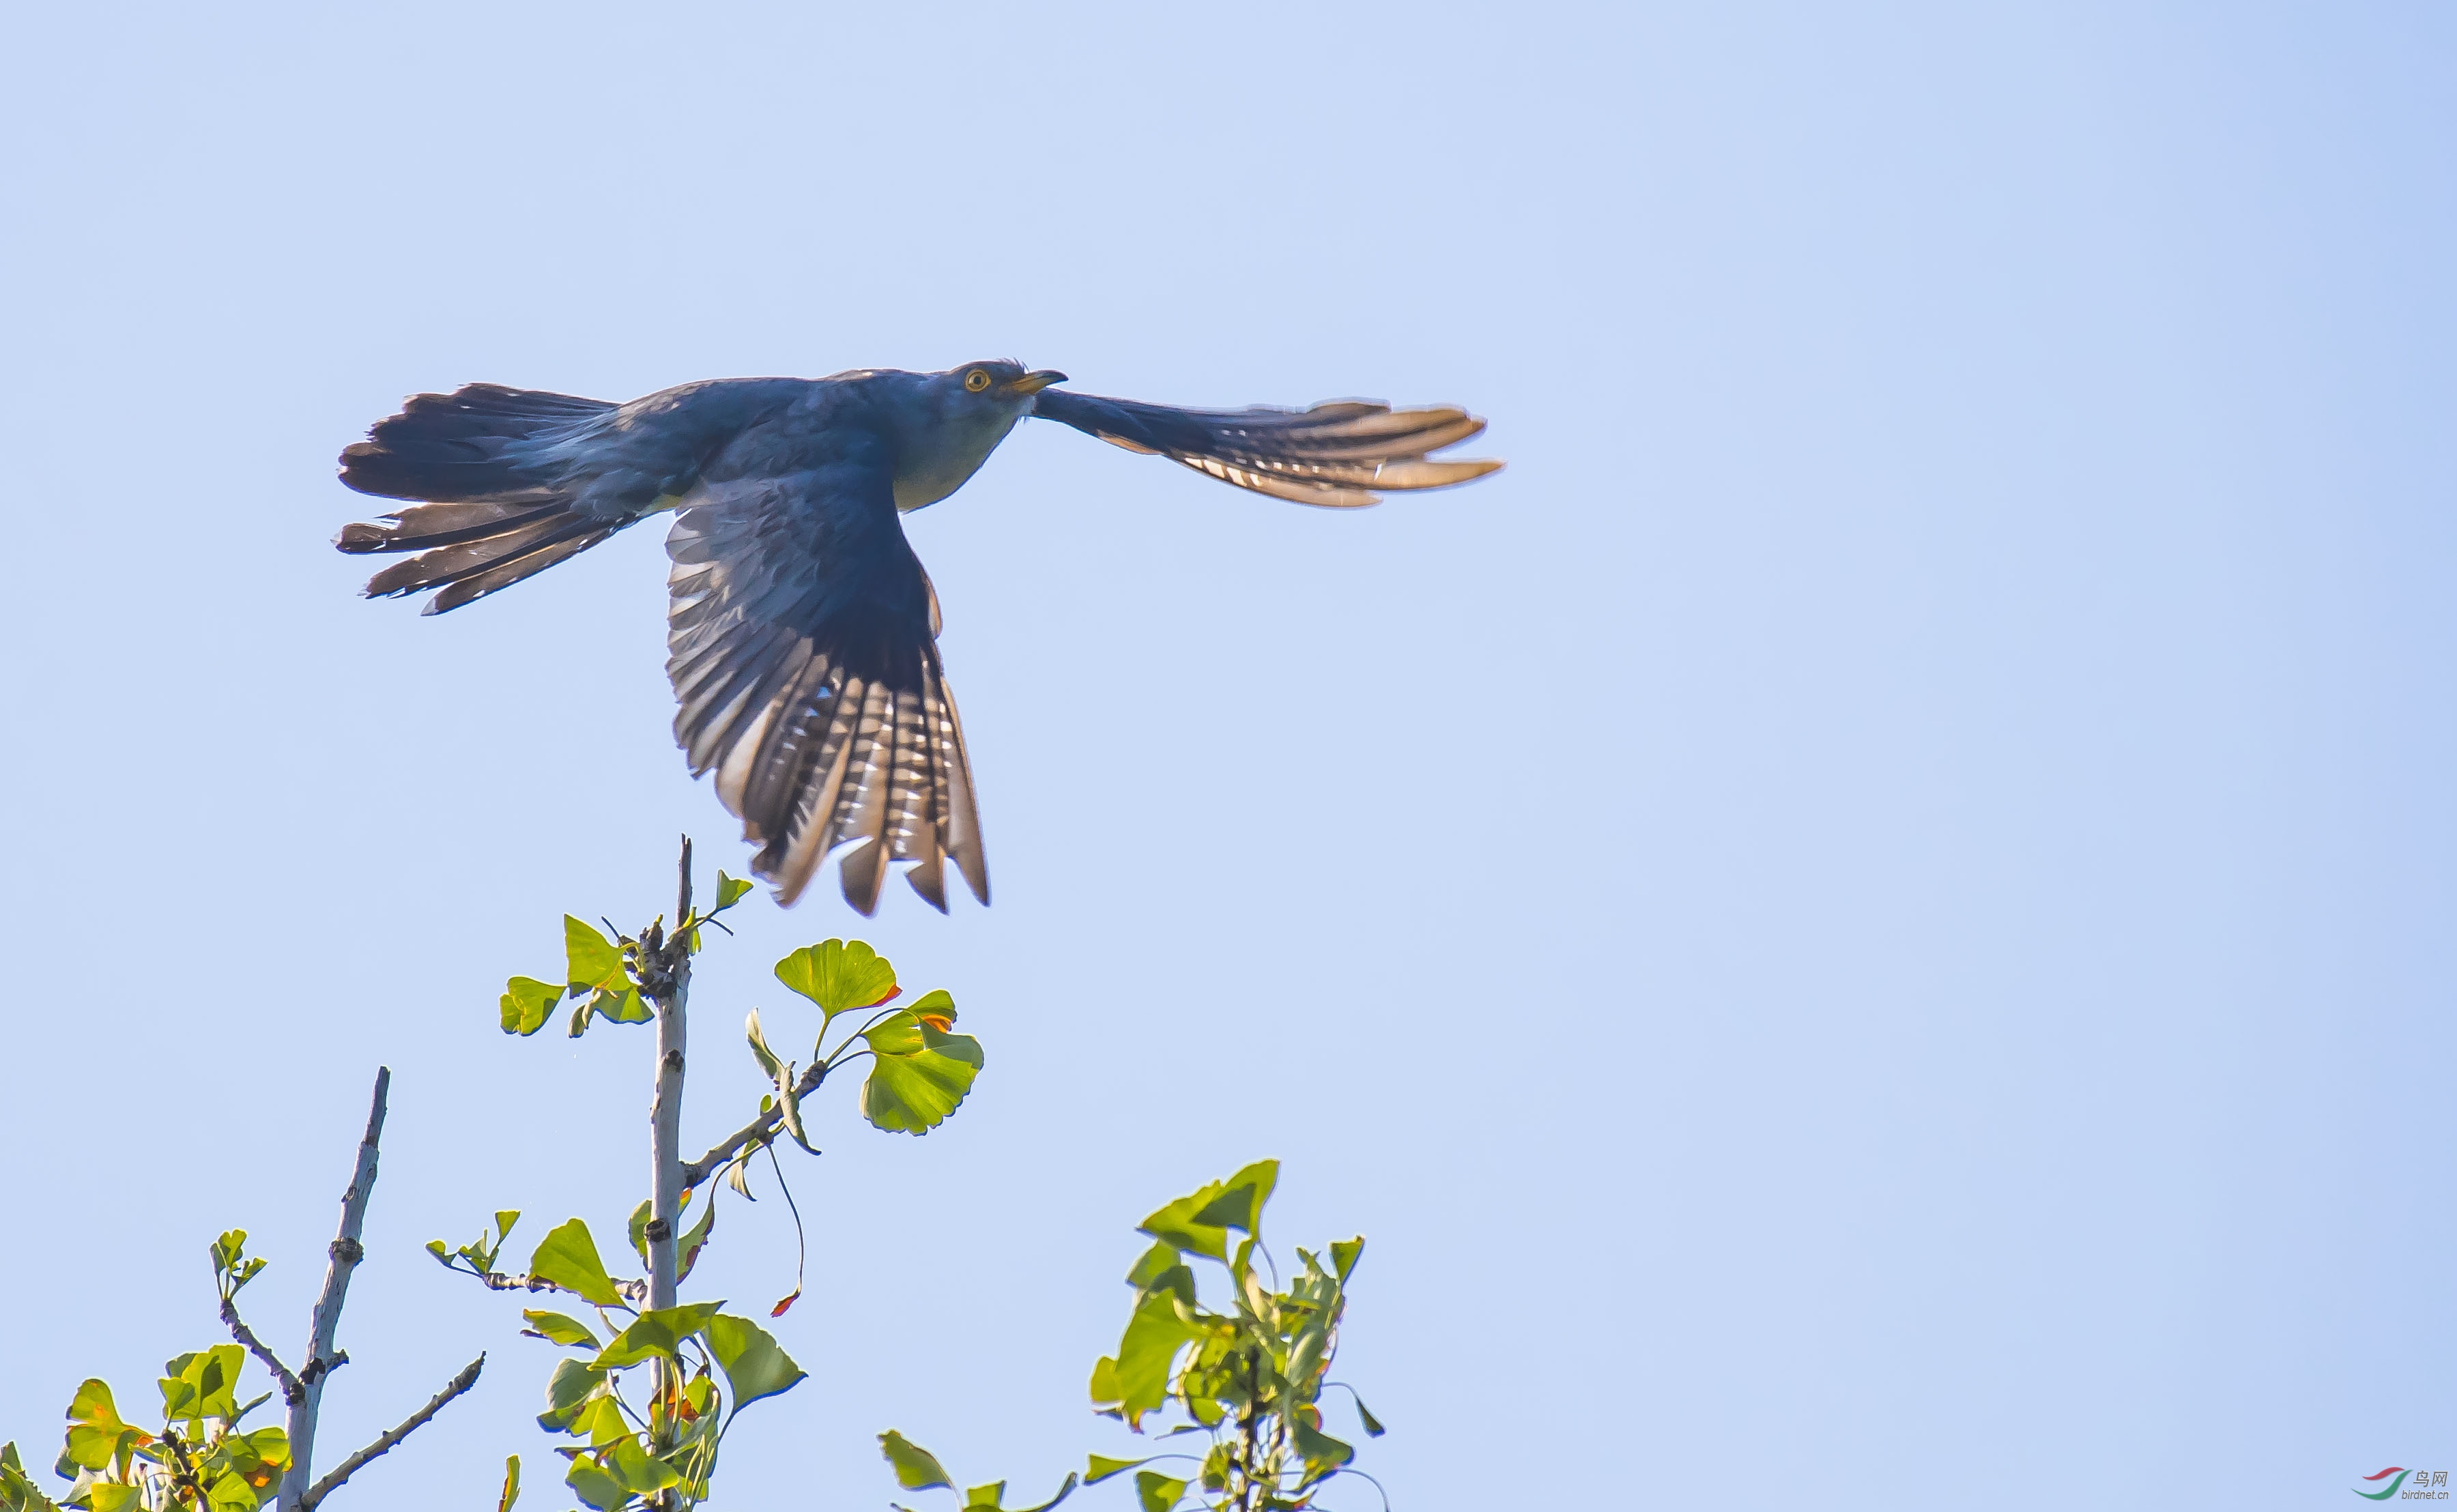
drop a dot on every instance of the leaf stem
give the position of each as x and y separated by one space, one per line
634 1292
757 1128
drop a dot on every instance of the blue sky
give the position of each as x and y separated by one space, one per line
1868 923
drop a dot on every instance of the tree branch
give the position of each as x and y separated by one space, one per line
756 1130
666 980
291 1390
384 1440
326 1321
634 1292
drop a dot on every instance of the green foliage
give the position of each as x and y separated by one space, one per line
601 974
199 1460
754 1365
838 977
479 1256
556 1328
17 1493
647 1408
917 1469
525 1002
232 1268
1247 1379
644 1411
1155 1492
636 1445
568 1257
920 1072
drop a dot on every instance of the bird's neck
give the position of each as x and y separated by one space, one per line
937 449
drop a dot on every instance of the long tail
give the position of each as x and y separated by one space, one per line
486 459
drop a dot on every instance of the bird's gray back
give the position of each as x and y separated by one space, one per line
651 454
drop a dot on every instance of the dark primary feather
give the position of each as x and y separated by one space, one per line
801 647
1332 455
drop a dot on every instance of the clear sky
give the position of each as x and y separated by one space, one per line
1867 925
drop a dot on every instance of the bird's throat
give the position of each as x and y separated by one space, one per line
935 462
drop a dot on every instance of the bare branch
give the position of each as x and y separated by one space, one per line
757 1130
292 1392
384 1440
346 1252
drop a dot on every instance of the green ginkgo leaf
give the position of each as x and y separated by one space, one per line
525 1002
687 1249
1135 1380
916 1469
1322 1453
594 1486
557 1328
636 1471
1201 1220
1064 1490
1374 1428
1344 1254
769 1062
95 1430
914 1093
755 1366
899 1033
656 1333
839 975
1155 1492
567 1256
567 1391
596 963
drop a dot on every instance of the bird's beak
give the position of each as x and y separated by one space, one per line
1035 382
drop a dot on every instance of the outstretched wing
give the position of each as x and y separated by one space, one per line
1332 455
801 643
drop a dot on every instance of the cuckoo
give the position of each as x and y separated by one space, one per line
801 630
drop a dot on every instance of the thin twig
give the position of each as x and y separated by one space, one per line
634 1292
291 1390
346 1252
384 1440
757 1130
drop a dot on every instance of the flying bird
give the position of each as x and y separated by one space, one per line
801 630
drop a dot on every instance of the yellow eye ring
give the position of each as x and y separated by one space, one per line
975 380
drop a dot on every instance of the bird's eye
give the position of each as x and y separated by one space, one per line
975 380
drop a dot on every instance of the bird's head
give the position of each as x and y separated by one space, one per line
998 387
947 423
